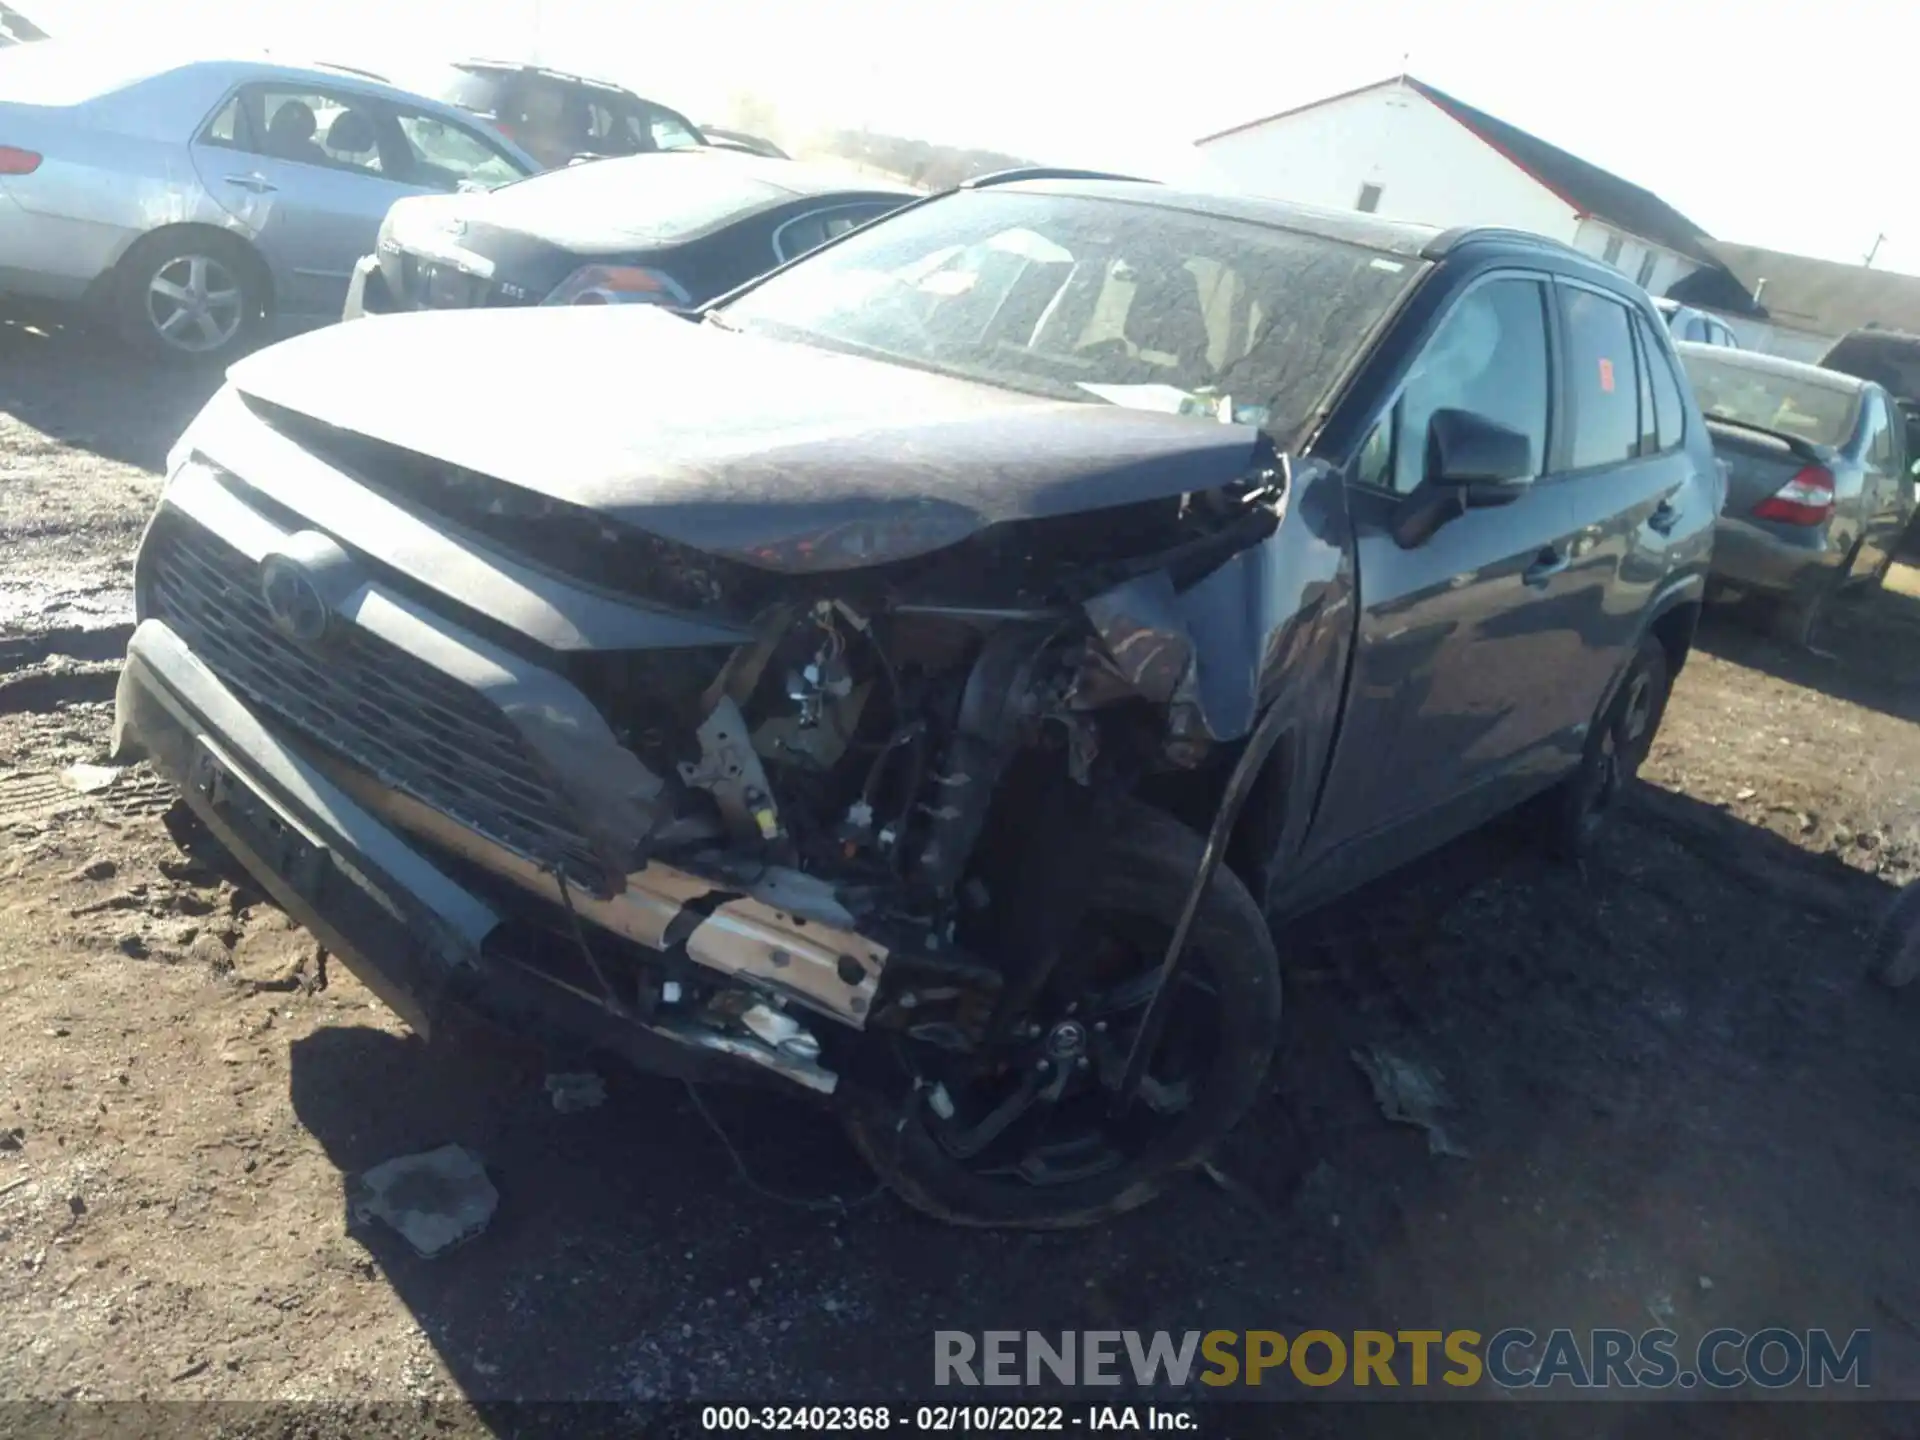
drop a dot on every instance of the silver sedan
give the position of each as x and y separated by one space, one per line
196 203
1819 486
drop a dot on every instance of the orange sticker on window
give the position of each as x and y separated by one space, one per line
1606 375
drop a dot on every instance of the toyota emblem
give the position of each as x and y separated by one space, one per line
294 602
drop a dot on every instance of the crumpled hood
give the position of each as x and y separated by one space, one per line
733 443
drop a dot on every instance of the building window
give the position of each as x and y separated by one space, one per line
1612 253
1645 276
1369 200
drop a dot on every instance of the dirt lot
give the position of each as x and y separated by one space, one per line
1680 1098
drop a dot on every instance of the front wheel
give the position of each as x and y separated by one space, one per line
1027 1136
1617 745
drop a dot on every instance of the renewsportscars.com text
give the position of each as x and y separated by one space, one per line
1513 1358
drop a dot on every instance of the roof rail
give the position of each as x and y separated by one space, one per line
1047 172
1446 240
351 70
482 63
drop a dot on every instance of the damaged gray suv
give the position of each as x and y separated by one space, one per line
923 677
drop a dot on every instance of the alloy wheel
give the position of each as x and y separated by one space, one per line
195 303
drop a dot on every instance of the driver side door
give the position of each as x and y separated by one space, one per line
1450 714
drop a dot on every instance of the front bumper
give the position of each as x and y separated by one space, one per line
408 932
420 941
367 292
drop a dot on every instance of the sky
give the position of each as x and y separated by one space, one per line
1782 126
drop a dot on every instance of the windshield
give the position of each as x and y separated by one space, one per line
1095 300
1795 405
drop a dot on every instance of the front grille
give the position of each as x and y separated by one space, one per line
369 702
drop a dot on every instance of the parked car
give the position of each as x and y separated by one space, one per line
918 677
1697 326
559 117
672 229
192 203
739 140
1819 487
1891 360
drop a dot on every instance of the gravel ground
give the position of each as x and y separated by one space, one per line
1678 1093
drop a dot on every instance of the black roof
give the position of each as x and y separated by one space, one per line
796 177
1585 186
502 67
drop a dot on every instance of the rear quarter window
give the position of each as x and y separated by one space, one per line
1669 408
1601 378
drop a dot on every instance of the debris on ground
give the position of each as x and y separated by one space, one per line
1409 1093
436 1200
91 779
580 1091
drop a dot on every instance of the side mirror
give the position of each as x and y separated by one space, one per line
1473 463
1491 462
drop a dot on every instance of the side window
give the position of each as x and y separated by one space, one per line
228 126
1879 449
443 154
668 131
1488 356
1669 411
1601 382
313 127
1696 330
1643 370
611 131
808 232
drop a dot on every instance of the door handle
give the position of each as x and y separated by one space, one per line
257 184
1547 564
1665 516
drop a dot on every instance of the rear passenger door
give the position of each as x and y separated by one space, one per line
1624 469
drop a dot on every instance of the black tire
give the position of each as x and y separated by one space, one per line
1896 943
1794 619
1617 745
220 307
1150 861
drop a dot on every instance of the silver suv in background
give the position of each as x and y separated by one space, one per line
558 117
193 202
1695 326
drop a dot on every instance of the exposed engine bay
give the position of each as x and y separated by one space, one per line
845 768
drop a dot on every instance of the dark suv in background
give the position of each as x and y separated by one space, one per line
557 117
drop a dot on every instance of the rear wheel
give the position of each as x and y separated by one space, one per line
1617 745
1026 1136
1795 618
